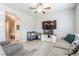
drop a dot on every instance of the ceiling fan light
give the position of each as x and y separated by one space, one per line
39 10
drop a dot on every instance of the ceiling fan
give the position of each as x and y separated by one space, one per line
39 8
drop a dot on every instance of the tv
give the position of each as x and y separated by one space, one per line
49 25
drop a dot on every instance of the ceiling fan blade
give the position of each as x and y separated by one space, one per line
35 12
32 8
47 8
43 12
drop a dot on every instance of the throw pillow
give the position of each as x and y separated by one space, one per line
70 38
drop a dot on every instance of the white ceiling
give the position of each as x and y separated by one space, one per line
24 7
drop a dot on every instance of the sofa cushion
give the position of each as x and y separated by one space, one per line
70 38
12 49
3 43
25 52
8 45
2 53
20 52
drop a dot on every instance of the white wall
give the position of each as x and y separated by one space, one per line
65 21
27 24
26 21
2 29
77 19
2 24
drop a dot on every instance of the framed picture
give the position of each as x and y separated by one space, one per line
18 27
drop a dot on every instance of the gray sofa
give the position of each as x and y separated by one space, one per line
10 49
16 49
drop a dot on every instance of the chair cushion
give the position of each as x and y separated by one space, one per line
70 38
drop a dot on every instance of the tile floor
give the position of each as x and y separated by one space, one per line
44 48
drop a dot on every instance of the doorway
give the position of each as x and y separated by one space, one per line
11 22
9 28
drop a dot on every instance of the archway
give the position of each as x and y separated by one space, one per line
12 24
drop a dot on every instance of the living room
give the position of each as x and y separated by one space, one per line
29 19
